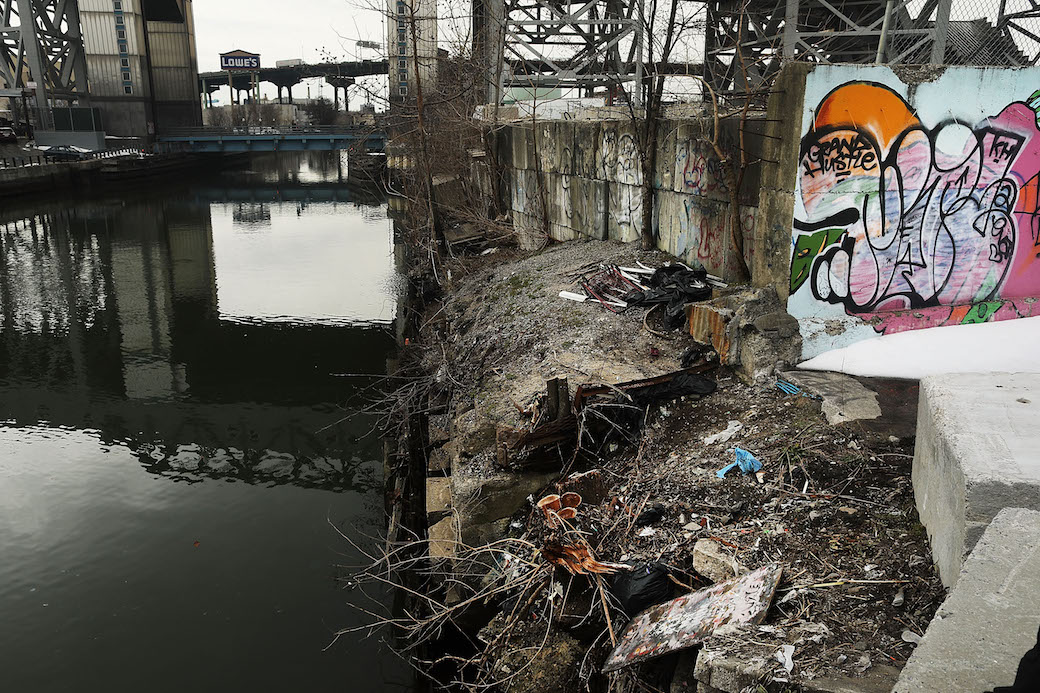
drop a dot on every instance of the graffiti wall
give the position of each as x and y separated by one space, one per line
916 205
583 179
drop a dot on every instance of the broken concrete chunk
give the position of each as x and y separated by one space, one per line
712 561
780 322
844 398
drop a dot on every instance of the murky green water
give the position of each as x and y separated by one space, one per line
169 494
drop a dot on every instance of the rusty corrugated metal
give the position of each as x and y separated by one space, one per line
708 326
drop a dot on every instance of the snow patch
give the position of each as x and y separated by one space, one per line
1007 346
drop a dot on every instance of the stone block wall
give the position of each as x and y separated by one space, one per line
583 179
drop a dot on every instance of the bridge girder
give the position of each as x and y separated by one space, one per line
42 43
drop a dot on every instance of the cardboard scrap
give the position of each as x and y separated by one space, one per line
692 618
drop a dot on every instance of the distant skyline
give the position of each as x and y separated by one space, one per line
310 30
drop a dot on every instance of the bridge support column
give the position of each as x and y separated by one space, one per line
335 96
279 93
289 88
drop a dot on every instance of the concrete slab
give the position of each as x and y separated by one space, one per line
844 397
977 452
990 620
438 495
443 539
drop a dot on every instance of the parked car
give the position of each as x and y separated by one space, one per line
8 135
64 152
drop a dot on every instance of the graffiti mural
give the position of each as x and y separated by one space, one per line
905 221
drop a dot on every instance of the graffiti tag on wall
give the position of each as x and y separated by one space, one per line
910 224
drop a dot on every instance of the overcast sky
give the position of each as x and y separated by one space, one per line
281 30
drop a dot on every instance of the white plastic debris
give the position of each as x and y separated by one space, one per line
724 436
911 637
784 656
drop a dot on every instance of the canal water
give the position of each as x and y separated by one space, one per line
172 477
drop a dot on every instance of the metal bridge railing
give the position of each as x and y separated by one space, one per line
260 130
8 162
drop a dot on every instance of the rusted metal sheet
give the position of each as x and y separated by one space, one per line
690 619
708 326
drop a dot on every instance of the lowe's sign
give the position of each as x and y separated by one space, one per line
239 60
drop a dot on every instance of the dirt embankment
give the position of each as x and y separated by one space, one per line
832 504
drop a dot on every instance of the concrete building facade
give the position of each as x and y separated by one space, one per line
404 17
142 64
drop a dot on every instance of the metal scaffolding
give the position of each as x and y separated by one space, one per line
584 44
42 44
747 40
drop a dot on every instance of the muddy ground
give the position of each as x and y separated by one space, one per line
833 504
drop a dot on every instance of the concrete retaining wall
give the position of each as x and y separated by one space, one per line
975 455
915 198
583 178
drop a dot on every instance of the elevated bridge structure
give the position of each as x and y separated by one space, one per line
273 139
339 75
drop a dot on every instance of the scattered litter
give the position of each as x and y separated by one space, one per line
745 461
847 510
791 389
489 251
725 436
784 656
871 571
650 516
899 598
647 532
610 286
692 618
911 637
643 586
571 296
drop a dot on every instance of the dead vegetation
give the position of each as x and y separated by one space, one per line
538 609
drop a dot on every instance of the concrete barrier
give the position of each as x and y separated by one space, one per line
977 452
979 636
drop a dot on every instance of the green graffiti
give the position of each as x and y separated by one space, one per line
806 248
1034 103
981 312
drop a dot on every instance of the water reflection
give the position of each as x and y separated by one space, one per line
167 376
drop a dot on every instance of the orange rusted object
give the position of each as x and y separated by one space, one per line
577 559
708 326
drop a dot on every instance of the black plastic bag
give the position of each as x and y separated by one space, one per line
645 585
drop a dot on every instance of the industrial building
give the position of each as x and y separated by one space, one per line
142 65
406 17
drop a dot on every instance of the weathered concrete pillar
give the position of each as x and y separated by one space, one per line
771 263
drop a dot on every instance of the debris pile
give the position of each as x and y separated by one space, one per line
686 509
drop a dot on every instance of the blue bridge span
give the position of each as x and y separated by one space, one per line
272 139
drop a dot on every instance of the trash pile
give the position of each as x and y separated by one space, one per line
617 288
691 513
